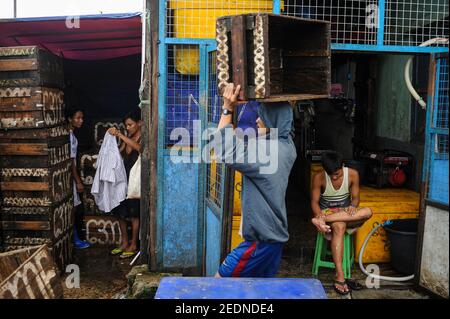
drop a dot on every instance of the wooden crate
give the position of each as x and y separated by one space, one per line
35 167
103 230
31 107
28 66
273 57
61 249
29 273
31 225
36 186
34 148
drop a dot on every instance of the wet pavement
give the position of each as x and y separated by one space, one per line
103 276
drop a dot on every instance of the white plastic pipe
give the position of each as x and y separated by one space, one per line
361 252
409 85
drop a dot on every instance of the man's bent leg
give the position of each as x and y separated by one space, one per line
361 214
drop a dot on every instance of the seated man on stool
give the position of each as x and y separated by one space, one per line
334 202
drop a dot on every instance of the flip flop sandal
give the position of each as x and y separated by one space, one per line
127 254
116 251
340 283
353 284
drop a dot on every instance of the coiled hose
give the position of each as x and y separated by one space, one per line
361 252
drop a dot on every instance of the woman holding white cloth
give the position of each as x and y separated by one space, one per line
129 209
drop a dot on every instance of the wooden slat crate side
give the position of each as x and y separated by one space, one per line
10 261
52 136
239 56
224 65
20 185
18 65
32 155
23 149
30 66
103 230
36 278
62 250
31 107
37 222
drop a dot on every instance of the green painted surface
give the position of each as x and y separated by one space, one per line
394 99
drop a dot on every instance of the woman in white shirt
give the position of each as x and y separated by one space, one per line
75 117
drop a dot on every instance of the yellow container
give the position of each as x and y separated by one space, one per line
187 59
385 204
236 239
197 19
237 193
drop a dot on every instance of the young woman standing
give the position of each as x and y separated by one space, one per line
75 117
129 209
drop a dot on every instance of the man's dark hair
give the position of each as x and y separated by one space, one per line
331 162
70 112
134 115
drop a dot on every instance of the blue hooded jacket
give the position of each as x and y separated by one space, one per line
264 183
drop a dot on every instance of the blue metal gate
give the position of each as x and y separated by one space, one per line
216 179
436 150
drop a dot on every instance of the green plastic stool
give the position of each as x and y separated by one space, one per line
322 252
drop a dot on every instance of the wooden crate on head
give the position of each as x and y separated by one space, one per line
274 58
35 166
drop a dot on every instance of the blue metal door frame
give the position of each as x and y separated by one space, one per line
436 157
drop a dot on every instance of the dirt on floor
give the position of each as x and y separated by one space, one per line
102 276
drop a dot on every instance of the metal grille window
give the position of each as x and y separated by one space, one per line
442 101
352 21
197 18
214 100
182 95
412 22
438 137
214 183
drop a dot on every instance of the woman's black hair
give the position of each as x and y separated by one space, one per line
134 115
70 112
331 162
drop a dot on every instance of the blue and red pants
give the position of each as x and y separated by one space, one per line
252 259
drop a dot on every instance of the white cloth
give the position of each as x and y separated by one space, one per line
134 180
73 155
110 181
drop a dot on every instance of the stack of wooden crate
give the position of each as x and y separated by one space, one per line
35 166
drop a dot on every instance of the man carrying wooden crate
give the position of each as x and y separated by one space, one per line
334 202
263 188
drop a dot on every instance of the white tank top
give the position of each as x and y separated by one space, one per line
336 198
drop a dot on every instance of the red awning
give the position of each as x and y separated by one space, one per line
98 36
